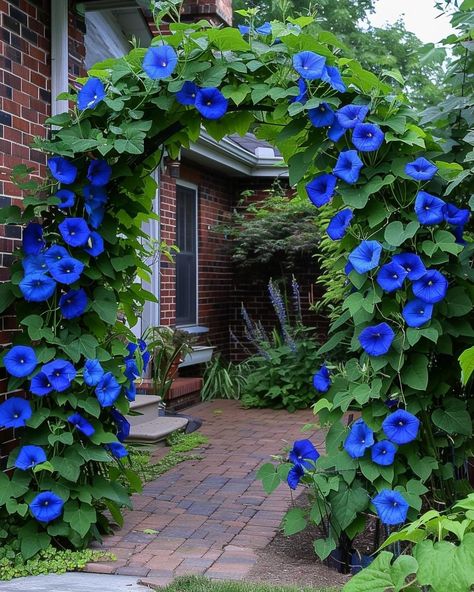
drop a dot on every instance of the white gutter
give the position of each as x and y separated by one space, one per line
59 55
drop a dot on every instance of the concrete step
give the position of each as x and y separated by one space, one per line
154 430
147 406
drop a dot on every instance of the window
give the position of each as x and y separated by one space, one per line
186 259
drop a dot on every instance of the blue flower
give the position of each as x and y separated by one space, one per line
458 233
81 424
322 380
350 115
55 254
211 103
14 413
30 456
421 169
60 373
348 166
66 198
244 29
67 271
401 427
93 372
20 361
73 304
96 216
339 223
321 116
94 196
321 189
46 506
107 390
304 453
91 94
187 94
366 256
131 391
33 242
40 385
116 449
367 137
431 287
302 97
265 29
160 62
376 340
429 209
309 65
62 170
359 439
95 244
456 216
74 231
37 287
391 507
123 426
383 453
416 312
131 370
99 173
294 476
412 264
336 131
333 77
391 276
34 264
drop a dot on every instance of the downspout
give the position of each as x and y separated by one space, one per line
59 54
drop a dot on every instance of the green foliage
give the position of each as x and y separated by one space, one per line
201 584
224 380
181 442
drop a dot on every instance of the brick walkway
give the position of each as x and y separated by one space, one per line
211 515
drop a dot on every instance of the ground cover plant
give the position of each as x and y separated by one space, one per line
200 584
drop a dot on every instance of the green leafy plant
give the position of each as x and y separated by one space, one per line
224 380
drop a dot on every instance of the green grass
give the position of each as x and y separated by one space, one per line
200 584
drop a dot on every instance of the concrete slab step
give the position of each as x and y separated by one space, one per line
154 430
142 401
74 582
147 406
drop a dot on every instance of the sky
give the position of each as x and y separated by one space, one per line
419 16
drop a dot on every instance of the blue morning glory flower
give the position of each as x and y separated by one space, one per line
421 169
34 264
60 373
132 348
294 476
211 103
29 456
429 209
20 361
304 453
336 131
333 77
66 198
348 166
55 254
359 439
455 216
302 97
377 340
350 115
417 313
123 426
96 216
81 424
309 65
244 29
412 264
62 170
99 173
94 196
91 94
383 453
37 287
74 231
14 413
116 449
391 507
339 223
458 233
93 372
265 29
131 370
46 506
367 137
131 391
321 116
401 427
160 62
95 244
322 380
73 304
391 276
107 390
431 287
321 189
33 242
40 385
366 256
67 271
187 94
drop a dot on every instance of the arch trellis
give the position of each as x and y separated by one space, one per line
353 148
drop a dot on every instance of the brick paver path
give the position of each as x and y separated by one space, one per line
211 515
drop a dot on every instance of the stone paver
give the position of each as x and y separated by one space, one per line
74 582
211 515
